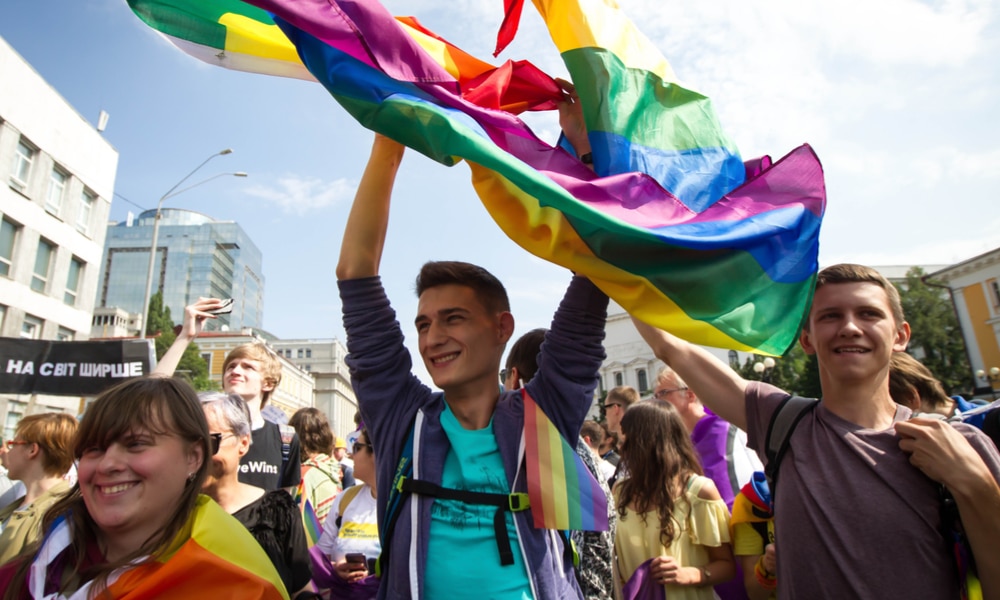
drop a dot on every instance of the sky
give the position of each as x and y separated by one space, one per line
897 97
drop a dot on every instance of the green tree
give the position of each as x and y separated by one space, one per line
936 337
191 366
786 374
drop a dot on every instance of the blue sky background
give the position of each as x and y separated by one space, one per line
898 98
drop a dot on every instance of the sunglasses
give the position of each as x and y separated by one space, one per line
609 405
359 445
216 440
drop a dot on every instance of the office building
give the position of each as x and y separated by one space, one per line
196 256
333 394
58 177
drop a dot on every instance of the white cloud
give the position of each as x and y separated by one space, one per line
302 195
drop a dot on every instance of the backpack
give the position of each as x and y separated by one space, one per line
349 494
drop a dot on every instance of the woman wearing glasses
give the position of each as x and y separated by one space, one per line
673 527
271 517
350 534
39 456
135 525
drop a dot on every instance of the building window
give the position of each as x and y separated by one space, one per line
73 281
307 367
3 315
618 380
994 292
23 157
31 328
734 360
640 375
65 335
309 353
87 200
43 262
57 187
8 235
299 353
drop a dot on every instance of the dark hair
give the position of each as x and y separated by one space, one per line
314 432
488 289
594 431
850 273
660 459
53 432
908 375
159 405
523 354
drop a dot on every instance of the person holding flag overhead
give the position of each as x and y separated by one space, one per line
459 525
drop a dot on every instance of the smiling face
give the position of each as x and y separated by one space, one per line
133 486
460 341
852 332
244 376
225 463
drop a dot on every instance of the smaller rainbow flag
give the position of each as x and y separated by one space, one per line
563 493
311 523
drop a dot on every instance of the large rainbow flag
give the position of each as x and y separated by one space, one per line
673 225
214 556
562 492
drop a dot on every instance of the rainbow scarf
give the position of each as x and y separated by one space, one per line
673 225
562 491
214 556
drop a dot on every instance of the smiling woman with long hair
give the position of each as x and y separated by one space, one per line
135 525
673 527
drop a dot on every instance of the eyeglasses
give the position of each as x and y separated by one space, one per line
12 443
610 404
216 440
661 394
503 375
359 445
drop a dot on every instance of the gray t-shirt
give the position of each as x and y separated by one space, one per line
853 517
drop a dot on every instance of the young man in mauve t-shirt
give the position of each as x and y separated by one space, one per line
857 503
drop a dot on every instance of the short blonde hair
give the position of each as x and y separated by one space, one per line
270 366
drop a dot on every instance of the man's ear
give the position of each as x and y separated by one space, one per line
902 338
244 445
506 328
805 342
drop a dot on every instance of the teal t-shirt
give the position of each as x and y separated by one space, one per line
463 560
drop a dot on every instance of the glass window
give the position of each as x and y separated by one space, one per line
73 281
65 335
641 377
618 379
8 235
31 328
300 353
23 157
309 353
83 215
43 261
57 187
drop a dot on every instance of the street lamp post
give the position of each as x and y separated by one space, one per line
156 227
993 376
764 369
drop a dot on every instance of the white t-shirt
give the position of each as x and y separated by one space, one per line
357 530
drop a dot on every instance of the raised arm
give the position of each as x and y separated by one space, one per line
715 383
364 236
195 316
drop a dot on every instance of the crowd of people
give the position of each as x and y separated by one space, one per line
888 488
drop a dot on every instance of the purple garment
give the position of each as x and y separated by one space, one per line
324 577
642 586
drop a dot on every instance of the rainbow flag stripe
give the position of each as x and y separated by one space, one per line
673 226
563 493
217 556
311 523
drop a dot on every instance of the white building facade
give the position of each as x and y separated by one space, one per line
58 176
333 394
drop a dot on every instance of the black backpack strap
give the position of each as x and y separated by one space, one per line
779 432
513 502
